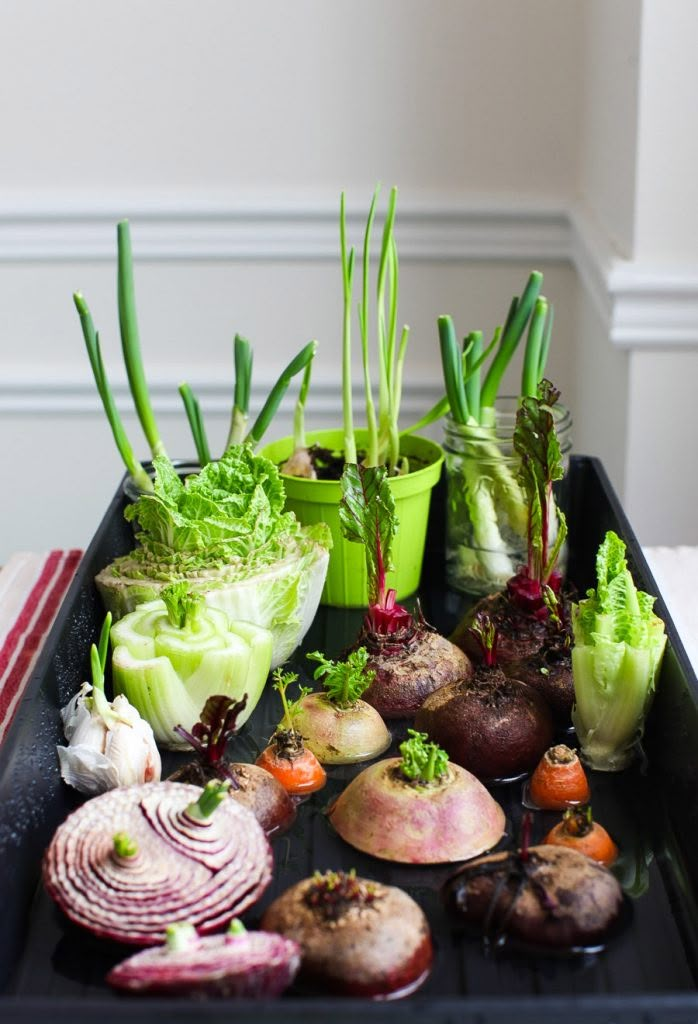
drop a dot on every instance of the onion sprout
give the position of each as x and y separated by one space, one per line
130 342
196 423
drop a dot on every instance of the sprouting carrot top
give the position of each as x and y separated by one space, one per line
580 832
559 780
287 758
292 764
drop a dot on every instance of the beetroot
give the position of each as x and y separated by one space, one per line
495 727
408 666
409 658
358 938
251 786
128 863
549 671
547 895
240 963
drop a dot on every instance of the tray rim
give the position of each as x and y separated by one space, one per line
449 1009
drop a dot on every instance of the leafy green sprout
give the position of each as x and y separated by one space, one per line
344 681
182 605
282 681
422 761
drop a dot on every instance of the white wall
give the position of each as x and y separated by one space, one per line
225 130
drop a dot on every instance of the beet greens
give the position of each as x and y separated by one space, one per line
367 516
536 442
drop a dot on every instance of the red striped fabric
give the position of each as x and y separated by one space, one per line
23 642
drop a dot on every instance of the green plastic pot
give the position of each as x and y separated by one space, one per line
315 501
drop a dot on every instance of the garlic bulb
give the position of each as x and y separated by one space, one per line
109 744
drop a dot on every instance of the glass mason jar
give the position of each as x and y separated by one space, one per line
486 512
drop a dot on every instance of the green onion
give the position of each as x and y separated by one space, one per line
471 383
241 399
135 469
299 362
371 424
130 342
196 423
511 335
534 347
299 411
453 370
347 285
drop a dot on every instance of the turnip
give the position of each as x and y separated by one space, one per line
418 808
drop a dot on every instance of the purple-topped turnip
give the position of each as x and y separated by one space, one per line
418 808
336 724
409 658
128 863
237 963
358 938
250 785
496 727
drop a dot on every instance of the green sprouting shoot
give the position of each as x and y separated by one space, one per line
452 370
299 440
236 927
301 361
103 646
422 761
182 605
282 681
514 327
347 258
94 352
214 793
530 378
472 354
124 846
130 340
196 424
343 681
180 936
371 421
241 400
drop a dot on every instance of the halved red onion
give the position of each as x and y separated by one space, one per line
204 872
248 964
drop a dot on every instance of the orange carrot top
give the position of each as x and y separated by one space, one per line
559 780
580 832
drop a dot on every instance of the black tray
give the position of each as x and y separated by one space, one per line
647 973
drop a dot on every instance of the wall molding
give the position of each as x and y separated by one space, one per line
193 231
642 306
39 396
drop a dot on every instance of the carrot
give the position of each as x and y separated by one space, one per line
559 780
292 764
580 832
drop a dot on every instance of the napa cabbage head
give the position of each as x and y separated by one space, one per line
224 531
617 653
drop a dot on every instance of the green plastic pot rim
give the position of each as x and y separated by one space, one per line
402 486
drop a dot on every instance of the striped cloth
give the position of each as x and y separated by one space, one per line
32 587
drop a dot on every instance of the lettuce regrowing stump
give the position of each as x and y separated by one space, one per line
225 533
